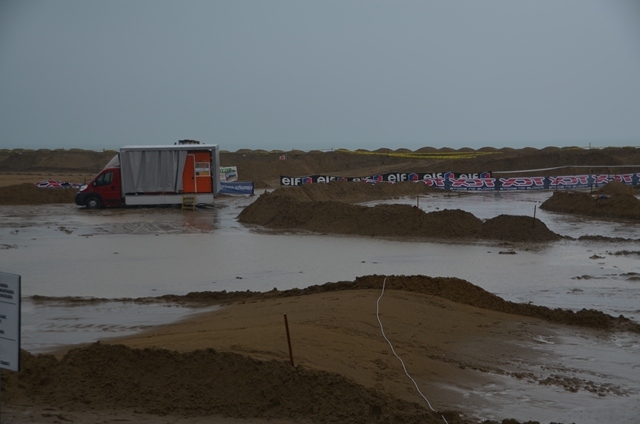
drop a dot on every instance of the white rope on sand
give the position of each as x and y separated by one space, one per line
394 351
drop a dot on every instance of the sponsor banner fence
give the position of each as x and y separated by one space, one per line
392 177
57 184
477 182
236 187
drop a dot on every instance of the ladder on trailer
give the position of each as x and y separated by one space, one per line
188 201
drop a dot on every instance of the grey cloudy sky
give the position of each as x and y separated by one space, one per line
324 74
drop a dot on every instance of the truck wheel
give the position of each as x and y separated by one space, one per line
92 203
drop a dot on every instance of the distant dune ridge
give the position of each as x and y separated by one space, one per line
264 168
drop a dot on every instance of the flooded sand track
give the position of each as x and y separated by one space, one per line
62 251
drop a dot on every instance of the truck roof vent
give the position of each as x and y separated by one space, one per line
188 142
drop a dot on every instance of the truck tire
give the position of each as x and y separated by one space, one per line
92 203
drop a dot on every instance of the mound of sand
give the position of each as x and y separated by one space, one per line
202 383
615 187
352 192
516 228
232 362
450 288
29 194
623 206
283 209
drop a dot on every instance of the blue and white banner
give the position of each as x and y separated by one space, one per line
236 187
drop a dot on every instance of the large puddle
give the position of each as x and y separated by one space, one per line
60 323
579 378
62 250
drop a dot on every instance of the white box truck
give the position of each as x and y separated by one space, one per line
156 175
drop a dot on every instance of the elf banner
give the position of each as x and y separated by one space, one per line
391 177
476 182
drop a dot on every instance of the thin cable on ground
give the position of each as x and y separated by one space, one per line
394 351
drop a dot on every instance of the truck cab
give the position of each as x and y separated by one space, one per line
104 190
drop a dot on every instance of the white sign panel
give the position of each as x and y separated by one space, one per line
10 321
228 173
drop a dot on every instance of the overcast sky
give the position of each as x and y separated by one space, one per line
322 74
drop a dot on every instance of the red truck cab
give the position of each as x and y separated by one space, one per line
104 190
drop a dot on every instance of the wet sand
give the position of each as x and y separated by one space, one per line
442 342
462 357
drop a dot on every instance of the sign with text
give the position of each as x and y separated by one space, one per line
236 187
479 181
228 173
10 321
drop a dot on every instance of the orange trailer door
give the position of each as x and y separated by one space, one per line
197 173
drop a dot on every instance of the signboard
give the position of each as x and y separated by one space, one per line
390 177
203 169
236 187
478 181
10 321
228 173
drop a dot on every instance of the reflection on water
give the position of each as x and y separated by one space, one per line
46 326
580 378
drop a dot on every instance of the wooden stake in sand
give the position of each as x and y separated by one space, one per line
286 325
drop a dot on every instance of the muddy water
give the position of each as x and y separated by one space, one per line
62 250
58 323
578 378
66 251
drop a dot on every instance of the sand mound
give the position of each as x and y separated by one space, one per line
207 382
462 291
201 383
29 194
342 218
623 206
450 288
352 192
279 210
615 187
516 229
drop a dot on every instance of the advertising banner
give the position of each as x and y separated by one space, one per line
236 187
391 177
483 181
228 173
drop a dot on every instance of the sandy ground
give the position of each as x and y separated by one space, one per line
439 341
235 362
339 332
8 179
